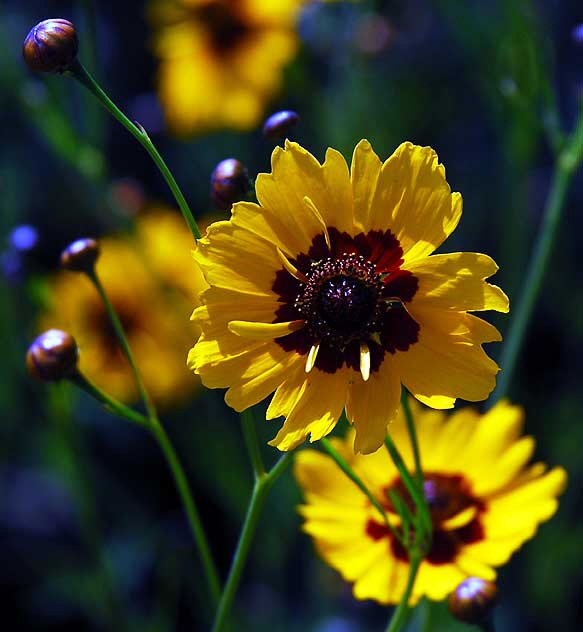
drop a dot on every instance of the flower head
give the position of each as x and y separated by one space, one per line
484 501
221 60
52 356
152 308
326 294
51 46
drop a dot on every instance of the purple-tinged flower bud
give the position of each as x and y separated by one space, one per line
472 601
279 124
81 255
51 46
229 183
52 356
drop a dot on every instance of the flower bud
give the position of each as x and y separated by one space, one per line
279 124
472 600
51 46
229 183
81 255
52 356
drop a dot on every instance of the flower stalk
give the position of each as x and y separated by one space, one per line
569 158
402 611
78 71
152 422
261 487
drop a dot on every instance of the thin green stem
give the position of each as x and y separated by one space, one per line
568 161
423 507
154 425
261 488
414 490
353 476
400 614
412 435
248 423
190 508
113 317
139 133
111 404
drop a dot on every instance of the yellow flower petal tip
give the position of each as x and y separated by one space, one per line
485 501
327 293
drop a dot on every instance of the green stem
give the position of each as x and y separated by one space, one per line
190 508
423 507
400 614
112 405
248 423
113 317
414 490
567 163
353 476
412 435
140 134
261 487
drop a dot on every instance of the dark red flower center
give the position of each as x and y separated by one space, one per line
448 495
352 293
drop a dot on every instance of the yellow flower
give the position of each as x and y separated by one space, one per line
325 293
151 307
221 60
483 498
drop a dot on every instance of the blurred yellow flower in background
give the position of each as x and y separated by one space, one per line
484 501
221 60
151 279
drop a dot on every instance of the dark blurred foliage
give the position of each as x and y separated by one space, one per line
92 534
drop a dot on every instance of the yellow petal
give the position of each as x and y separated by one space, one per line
371 405
413 199
444 363
316 411
455 281
265 331
364 171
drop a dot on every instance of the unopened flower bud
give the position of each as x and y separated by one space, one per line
51 46
229 183
81 255
52 356
472 600
279 124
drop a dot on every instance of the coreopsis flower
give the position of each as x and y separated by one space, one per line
484 502
135 273
221 60
326 294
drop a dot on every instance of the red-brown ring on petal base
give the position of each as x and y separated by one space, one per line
447 496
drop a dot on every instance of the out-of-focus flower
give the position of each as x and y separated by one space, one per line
139 276
325 293
484 500
221 60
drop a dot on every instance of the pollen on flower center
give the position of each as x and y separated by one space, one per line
341 300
